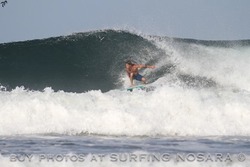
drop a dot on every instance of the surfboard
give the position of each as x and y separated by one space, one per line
137 87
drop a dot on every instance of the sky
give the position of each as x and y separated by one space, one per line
197 19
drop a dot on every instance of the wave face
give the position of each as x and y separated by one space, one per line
201 88
75 63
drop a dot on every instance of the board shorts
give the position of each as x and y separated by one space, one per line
138 77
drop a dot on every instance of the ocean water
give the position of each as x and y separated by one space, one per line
63 102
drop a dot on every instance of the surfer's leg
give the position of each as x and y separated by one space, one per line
143 80
131 77
139 77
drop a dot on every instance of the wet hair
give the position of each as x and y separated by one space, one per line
129 62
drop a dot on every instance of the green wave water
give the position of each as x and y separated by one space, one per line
75 63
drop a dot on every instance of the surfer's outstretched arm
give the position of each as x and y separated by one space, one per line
145 66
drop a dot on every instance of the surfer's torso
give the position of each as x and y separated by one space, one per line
132 69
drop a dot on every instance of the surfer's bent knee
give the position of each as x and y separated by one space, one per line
143 80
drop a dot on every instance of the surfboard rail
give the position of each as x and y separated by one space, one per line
138 87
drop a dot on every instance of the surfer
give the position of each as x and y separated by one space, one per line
132 71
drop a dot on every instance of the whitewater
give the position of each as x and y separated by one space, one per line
77 94
161 112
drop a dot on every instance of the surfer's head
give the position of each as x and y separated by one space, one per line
129 62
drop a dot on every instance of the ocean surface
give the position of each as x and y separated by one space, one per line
63 102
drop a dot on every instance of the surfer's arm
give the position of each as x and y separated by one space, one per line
128 72
145 66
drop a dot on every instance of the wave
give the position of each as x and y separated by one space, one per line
95 61
74 85
75 63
